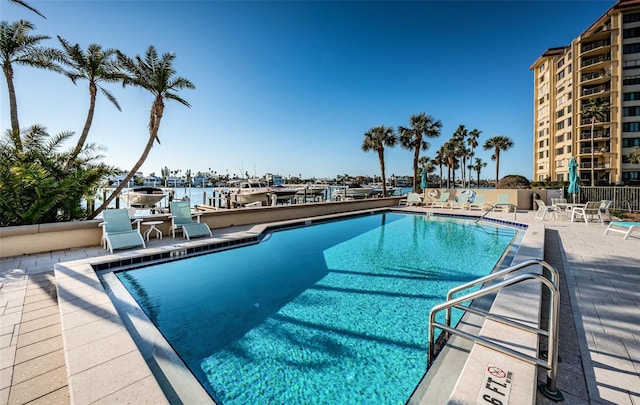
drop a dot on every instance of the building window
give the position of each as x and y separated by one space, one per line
631 80
631 32
629 18
560 125
630 111
559 177
569 149
631 127
630 142
631 96
630 48
541 101
541 144
540 155
630 176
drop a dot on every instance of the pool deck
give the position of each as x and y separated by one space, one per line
599 345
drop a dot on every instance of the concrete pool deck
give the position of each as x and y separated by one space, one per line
601 272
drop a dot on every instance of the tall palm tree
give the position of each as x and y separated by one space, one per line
462 152
376 139
411 137
450 160
18 47
472 141
498 143
479 164
439 160
158 76
96 65
596 109
25 5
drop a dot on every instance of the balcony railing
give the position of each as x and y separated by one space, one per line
597 59
595 90
596 150
595 45
596 134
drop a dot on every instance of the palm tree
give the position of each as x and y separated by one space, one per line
634 157
427 164
472 141
439 160
461 151
19 48
156 75
450 160
376 139
498 143
596 109
95 65
411 137
479 164
25 5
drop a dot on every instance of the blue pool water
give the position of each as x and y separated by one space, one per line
330 313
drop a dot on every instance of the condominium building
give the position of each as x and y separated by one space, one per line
603 63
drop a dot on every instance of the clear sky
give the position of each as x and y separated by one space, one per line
290 87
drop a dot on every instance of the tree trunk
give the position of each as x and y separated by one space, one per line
87 126
13 105
416 155
497 166
157 110
593 124
384 179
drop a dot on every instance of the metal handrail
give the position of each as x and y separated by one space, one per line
552 270
515 210
550 388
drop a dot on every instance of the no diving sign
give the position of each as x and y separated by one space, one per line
496 386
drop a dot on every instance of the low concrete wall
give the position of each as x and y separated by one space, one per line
31 239
521 198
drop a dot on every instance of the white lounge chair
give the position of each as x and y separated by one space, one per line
503 203
628 227
412 199
442 202
181 219
587 211
479 202
544 208
461 201
118 232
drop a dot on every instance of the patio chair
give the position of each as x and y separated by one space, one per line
503 203
118 232
412 199
587 211
480 202
442 202
543 209
604 209
182 220
461 201
628 227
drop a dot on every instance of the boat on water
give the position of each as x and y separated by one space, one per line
250 192
283 194
353 191
143 197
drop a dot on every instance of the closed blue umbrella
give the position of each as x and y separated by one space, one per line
423 179
574 187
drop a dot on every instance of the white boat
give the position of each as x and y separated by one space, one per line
283 194
250 192
352 192
143 197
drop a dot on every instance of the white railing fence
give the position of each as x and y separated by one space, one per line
624 198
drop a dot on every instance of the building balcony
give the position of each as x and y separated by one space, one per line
599 77
595 90
596 150
595 63
597 165
587 121
595 48
596 135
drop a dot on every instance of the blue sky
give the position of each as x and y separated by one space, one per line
290 87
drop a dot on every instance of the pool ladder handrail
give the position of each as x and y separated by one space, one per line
493 207
549 389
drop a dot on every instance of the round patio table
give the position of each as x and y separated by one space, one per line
152 227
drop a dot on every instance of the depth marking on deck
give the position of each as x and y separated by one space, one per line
496 386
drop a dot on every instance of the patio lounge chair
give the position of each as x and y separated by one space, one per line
480 202
628 228
587 211
544 208
442 202
118 232
412 199
503 203
604 209
181 219
461 201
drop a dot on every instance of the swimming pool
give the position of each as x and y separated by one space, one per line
329 313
